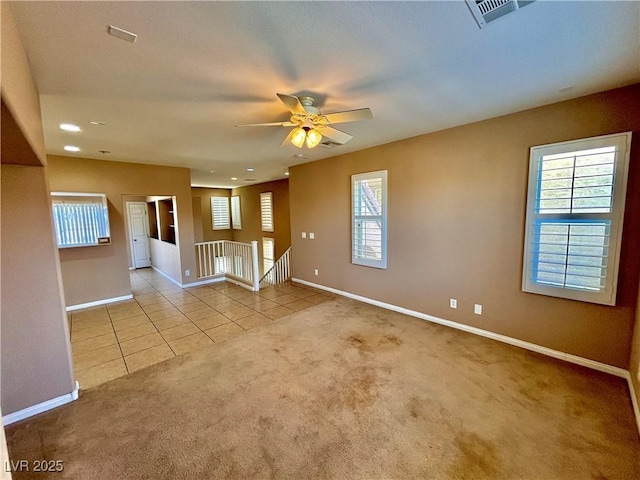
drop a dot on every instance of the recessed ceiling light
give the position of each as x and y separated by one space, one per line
286 173
93 122
122 34
250 169
300 155
71 148
212 171
234 178
69 127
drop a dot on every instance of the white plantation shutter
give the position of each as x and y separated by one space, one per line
266 211
220 213
268 252
79 221
369 219
575 211
236 216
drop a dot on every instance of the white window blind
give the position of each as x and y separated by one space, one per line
266 211
369 219
220 213
80 219
268 253
236 215
575 211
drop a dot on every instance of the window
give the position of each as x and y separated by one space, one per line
575 211
220 213
266 211
268 253
80 219
369 219
236 215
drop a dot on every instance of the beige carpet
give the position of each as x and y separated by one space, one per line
339 391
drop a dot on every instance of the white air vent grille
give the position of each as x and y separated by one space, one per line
329 144
487 11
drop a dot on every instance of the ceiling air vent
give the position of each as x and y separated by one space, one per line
329 144
487 11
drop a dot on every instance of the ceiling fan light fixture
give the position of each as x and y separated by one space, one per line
313 138
298 137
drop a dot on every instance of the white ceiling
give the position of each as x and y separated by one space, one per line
200 68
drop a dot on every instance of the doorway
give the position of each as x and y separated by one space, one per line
138 218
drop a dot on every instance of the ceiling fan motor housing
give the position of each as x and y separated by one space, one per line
308 105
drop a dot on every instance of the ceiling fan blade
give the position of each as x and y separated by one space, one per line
336 135
273 124
349 116
287 139
292 103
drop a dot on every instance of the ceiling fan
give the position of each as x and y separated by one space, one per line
310 125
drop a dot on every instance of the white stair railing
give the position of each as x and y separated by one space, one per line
280 272
236 260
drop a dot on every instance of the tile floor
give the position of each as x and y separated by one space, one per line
164 320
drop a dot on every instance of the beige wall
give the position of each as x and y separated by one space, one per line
250 209
456 226
20 98
97 273
205 227
36 361
35 355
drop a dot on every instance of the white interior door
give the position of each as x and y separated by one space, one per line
139 234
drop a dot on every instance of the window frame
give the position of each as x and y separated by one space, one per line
227 225
236 213
383 176
269 228
68 231
533 219
272 241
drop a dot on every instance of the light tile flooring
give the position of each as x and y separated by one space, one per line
164 320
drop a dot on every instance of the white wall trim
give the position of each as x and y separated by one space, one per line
79 306
167 276
568 357
240 284
634 399
41 407
585 362
204 282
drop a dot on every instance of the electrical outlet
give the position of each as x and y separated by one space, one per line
477 309
311 235
187 273
304 234
315 271
453 303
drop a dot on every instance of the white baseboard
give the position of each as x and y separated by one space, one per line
240 284
585 362
221 278
71 308
204 282
167 276
568 357
634 399
41 407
